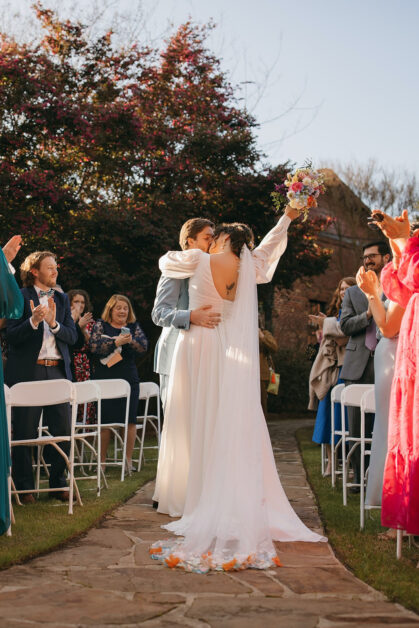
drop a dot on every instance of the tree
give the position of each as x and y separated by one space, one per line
106 151
380 187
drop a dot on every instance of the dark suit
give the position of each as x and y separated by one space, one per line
24 344
358 365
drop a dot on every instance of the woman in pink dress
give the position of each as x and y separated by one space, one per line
400 282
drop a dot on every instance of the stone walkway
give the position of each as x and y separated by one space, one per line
107 578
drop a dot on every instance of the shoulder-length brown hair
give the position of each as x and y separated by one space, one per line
336 301
87 303
107 311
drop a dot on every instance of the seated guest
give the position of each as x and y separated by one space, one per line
326 368
115 340
81 312
38 345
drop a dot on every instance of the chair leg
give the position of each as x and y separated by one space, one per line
399 544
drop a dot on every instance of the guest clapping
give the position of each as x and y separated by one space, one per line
112 345
81 312
400 279
39 350
388 317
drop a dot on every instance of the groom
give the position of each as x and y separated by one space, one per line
171 306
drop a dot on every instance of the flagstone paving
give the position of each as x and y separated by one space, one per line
107 578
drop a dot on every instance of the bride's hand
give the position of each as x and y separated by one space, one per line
291 213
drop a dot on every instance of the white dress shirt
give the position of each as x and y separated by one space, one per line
49 349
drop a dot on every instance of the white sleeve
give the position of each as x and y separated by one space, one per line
272 247
180 264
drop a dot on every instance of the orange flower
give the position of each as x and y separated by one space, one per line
155 550
229 566
311 202
277 561
172 561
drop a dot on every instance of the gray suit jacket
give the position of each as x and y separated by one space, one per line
353 323
171 312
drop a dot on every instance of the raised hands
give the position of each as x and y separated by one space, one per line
11 249
317 320
368 282
85 319
393 228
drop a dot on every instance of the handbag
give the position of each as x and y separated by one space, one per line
274 378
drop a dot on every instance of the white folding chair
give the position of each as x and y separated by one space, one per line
351 396
89 434
116 389
47 393
335 396
367 405
148 391
9 481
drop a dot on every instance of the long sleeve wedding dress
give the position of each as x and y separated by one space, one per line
216 466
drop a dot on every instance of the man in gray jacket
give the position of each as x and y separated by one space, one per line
356 321
170 309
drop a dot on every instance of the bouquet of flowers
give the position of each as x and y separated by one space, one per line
302 189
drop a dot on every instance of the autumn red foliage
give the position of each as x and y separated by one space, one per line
105 151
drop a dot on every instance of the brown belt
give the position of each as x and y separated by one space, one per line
49 362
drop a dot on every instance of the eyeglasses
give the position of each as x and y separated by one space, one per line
371 256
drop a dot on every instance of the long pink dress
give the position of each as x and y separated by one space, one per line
400 502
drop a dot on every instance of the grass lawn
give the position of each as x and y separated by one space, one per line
46 525
371 559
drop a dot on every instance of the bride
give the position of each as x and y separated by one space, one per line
216 467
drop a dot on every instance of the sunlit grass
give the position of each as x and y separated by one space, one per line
46 525
372 559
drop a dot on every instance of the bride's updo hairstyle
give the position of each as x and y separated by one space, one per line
239 234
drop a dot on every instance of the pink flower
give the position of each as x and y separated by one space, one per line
296 187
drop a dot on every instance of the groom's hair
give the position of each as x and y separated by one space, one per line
191 228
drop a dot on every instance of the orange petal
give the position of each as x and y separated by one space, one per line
229 566
277 561
172 561
155 550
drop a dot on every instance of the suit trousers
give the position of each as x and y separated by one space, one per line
354 418
25 422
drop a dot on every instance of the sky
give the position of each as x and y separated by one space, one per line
333 81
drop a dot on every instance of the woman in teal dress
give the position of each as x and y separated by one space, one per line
11 306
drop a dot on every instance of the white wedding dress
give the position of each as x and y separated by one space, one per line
216 467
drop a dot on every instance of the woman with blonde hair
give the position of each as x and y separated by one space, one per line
116 338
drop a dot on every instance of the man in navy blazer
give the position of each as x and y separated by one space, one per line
39 350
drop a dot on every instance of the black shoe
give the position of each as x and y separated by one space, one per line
354 490
155 505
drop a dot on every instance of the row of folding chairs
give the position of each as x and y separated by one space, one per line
83 436
362 396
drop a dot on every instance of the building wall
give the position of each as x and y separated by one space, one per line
345 237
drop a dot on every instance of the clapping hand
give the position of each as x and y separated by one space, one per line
85 319
51 312
317 320
11 249
368 282
38 313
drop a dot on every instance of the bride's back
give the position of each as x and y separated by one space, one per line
224 270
